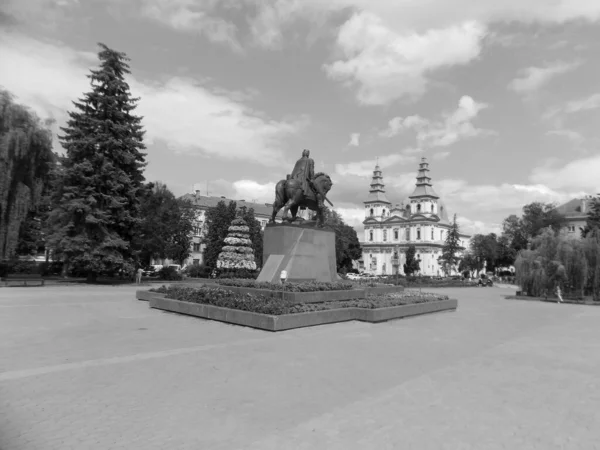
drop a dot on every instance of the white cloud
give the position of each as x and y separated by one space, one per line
188 117
365 168
354 140
386 65
450 129
473 227
533 78
585 104
189 16
571 135
581 174
353 216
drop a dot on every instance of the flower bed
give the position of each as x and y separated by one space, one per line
216 296
273 314
309 286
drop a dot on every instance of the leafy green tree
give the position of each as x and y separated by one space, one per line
181 232
347 245
450 251
98 202
514 231
412 264
26 161
218 219
537 216
592 225
485 249
469 262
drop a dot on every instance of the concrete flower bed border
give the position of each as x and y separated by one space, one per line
291 321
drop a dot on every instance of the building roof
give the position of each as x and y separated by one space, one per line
573 208
377 191
205 202
423 186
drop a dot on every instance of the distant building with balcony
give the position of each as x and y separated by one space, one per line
421 220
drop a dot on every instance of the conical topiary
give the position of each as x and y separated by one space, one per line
237 252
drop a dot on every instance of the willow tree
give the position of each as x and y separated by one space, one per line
26 159
98 201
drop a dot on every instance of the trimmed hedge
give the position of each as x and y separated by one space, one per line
274 306
309 286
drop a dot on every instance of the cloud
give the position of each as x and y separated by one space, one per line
179 111
365 168
533 78
473 227
385 65
450 129
581 174
440 156
354 140
585 104
571 135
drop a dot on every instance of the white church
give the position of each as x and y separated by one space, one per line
389 230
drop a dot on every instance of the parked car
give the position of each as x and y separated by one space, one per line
152 270
177 267
353 276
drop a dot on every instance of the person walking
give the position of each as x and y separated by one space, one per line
559 294
138 276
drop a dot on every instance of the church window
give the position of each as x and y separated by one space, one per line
432 207
408 234
385 235
419 207
418 234
371 235
432 237
396 235
383 213
441 235
372 211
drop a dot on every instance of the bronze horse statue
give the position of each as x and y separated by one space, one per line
289 196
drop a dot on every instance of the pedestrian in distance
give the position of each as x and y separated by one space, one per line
138 276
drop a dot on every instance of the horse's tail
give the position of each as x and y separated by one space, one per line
280 193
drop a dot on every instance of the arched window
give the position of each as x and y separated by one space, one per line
396 234
383 213
418 234
372 211
432 237
419 207
432 207
385 235
371 235
407 234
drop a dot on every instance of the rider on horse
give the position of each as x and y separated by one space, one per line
304 172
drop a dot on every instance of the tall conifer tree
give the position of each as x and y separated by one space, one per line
451 247
98 201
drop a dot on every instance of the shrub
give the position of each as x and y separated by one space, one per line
169 273
197 271
51 268
308 286
237 273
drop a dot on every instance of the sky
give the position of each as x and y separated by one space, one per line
502 98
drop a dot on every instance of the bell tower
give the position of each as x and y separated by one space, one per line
377 205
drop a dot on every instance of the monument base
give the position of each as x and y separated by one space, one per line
307 254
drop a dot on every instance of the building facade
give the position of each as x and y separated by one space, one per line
421 220
576 213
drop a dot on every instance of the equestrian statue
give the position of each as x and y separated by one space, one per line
302 188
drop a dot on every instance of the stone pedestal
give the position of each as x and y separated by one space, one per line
307 254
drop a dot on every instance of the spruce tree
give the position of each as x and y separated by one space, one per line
97 205
451 248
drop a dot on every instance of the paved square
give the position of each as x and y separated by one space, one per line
93 368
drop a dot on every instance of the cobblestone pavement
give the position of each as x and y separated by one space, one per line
92 368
